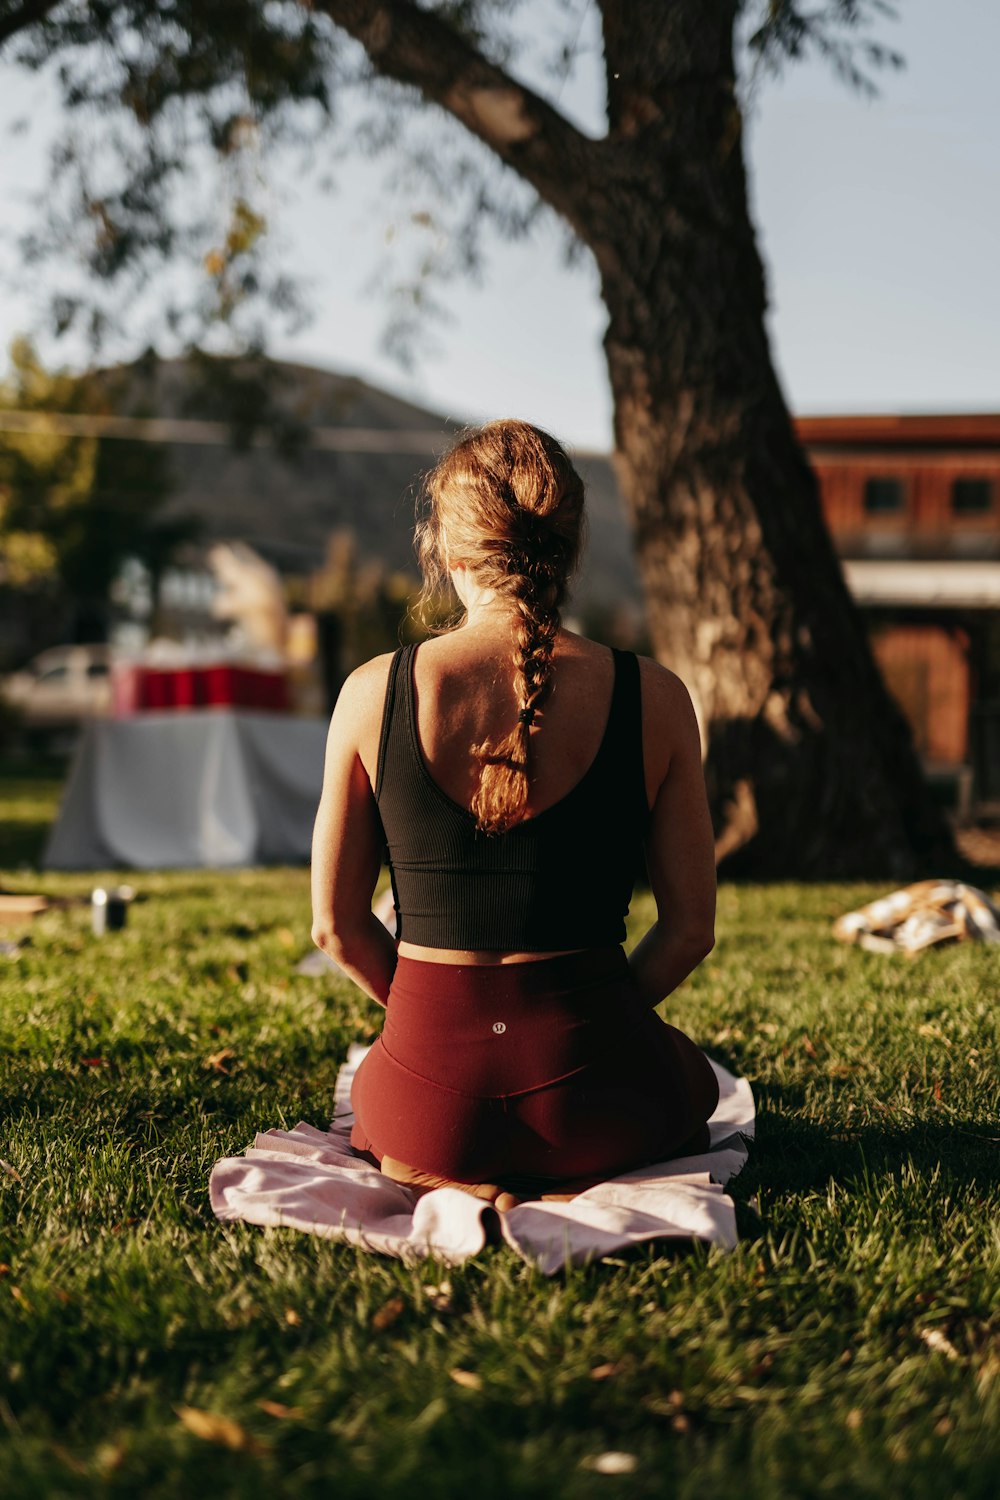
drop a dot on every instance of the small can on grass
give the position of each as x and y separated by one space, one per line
108 909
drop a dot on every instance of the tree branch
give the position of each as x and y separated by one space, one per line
24 16
416 47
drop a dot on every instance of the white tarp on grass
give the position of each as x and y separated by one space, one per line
185 790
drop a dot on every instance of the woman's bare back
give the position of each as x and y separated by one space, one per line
465 696
464 690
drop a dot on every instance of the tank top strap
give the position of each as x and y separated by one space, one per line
394 736
626 762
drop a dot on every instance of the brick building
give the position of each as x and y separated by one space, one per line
913 504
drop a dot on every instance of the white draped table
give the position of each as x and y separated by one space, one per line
213 788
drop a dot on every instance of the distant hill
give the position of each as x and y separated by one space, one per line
355 456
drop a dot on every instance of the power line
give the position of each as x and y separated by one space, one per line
190 432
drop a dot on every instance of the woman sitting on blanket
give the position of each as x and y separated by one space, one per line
515 770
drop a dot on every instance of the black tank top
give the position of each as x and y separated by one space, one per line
561 879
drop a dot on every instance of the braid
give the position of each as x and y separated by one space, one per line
502 794
510 505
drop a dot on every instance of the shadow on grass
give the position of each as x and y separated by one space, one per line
791 1155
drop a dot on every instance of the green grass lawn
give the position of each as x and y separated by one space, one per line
849 1346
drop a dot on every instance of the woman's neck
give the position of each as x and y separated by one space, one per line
489 613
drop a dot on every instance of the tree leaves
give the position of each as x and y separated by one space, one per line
74 505
779 31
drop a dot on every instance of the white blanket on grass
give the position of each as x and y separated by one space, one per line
313 1180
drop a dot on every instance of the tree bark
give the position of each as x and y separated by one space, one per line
811 766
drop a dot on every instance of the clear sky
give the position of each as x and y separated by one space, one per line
879 223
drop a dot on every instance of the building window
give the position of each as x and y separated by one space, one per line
884 496
971 497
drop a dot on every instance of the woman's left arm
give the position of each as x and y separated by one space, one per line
347 841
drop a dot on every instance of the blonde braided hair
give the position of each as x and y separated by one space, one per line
506 503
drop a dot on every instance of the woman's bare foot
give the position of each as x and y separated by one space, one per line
426 1182
571 1189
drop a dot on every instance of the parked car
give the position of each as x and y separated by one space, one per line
60 688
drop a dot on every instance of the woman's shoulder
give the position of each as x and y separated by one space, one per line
662 688
357 713
365 686
669 721
664 695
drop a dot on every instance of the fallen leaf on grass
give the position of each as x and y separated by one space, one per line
934 1033
217 1060
467 1378
215 1428
109 1457
4 1268
69 1459
729 1034
292 1318
604 1372
6 1167
939 1342
93 1062
611 1463
278 1409
671 1405
388 1313
286 937
439 1297
988 1371
19 1296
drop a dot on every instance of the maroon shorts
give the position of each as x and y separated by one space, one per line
548 1069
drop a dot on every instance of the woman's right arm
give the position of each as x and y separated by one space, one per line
680 846
347 839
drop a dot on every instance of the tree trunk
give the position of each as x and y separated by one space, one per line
810 765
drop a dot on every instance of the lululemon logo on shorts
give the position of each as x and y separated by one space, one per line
499 1027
